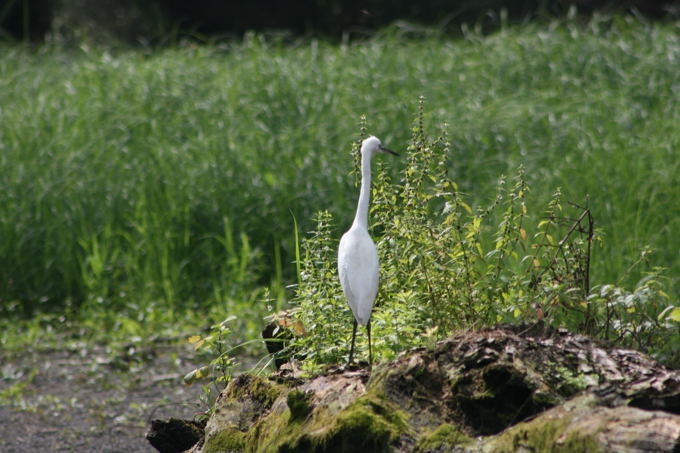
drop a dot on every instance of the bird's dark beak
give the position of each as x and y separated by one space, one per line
387 151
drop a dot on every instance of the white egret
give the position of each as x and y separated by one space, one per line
358 265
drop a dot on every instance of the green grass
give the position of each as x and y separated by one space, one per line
139 187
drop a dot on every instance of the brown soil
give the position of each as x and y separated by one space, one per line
90 400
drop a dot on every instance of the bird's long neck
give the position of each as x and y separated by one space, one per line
361 218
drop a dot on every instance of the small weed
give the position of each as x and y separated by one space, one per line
214 346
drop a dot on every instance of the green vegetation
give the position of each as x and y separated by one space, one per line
447 267
446 436
543 432
227 440
298 404
258 422
153 192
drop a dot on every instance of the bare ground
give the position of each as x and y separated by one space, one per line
93 400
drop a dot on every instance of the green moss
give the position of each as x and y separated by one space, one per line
382 408
578 443
367 425
364 426
228 440
443 438
247 386
298 403
541 435
264 391
272 431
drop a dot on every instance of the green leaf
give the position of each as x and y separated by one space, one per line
465 206
674 314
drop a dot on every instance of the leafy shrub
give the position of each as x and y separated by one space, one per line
447 266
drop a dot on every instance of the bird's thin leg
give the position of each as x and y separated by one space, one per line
354 335
370 350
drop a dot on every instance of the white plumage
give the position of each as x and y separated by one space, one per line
358 265
359 268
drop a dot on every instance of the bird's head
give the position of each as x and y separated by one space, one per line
372 145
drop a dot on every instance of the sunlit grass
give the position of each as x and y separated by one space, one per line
136 184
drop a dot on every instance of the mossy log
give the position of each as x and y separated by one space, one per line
496 390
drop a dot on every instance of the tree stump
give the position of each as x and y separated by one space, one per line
495 390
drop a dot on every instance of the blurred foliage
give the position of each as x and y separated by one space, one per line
26 19
164 21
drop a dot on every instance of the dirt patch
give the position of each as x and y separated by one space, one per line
89 400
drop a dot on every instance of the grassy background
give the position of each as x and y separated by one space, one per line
141 187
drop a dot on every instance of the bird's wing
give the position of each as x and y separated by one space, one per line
358 271
344 268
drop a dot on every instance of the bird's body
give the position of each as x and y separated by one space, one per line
358 268
358 265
